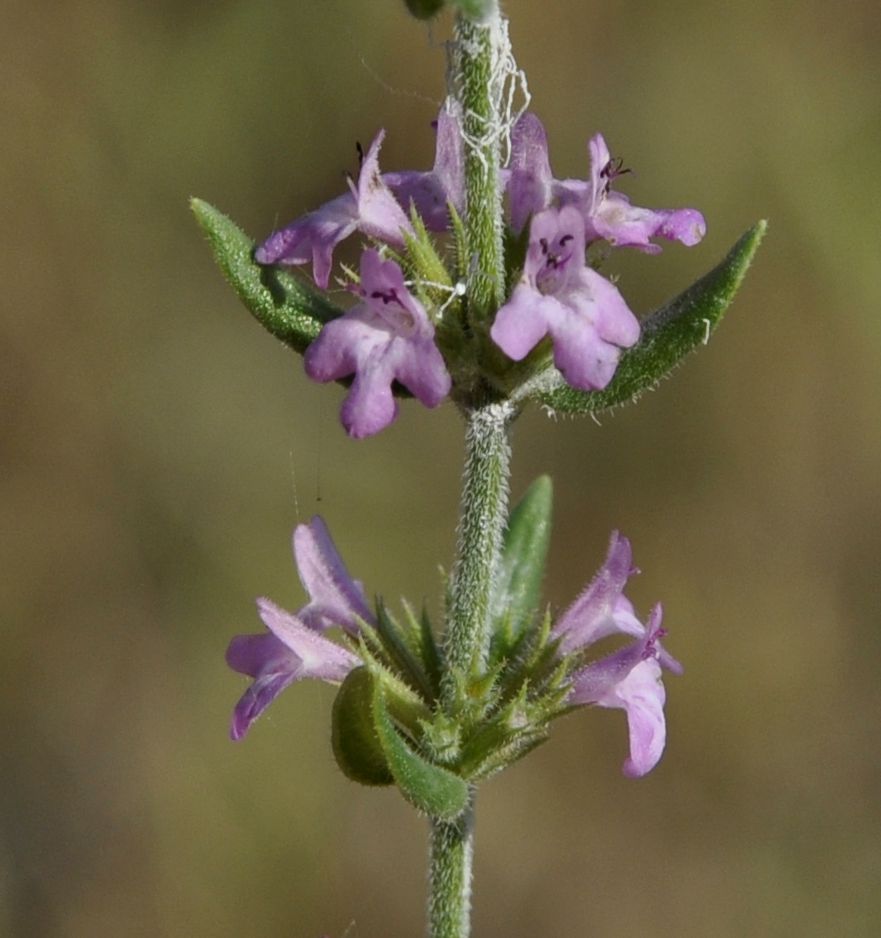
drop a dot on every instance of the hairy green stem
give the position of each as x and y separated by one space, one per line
466 642
452 848
477 83
481 526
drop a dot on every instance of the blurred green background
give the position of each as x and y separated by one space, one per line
158 449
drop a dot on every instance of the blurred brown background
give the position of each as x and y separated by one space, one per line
158 448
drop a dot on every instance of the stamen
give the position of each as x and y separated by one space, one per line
390 297
614 167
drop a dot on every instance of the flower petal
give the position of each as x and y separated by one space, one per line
630 679
610 215
319 657
369 206
386 337
294 647
597 681
602 609
340 344
686 225
334 597
581 356
519 325
379 214
587 318
423 373
449 163
370 405
251 654
312 237
256 699
641 694
530 180
272 665
614 321
432 192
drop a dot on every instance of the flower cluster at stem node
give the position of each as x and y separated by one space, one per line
541 675
560 312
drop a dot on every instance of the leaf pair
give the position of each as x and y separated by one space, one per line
295 313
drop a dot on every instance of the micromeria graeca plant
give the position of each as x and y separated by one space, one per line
478 283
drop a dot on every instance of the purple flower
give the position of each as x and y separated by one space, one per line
369 206
610 215
559 295
294 648
627 679
531 184
607 214
385 338
377 205
334 597
630 680
431 192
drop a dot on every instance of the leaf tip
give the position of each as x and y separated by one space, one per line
204 212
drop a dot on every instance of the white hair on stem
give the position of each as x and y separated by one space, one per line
506 83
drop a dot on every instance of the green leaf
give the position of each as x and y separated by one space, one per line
668 335
356 745
428 647
424 260
517 589
289 309
400 653
430 788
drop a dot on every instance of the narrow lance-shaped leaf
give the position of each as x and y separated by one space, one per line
429 788
428 647
517 587
278 301
400 653
668 335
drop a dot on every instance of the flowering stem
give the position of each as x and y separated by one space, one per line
477 83
452 848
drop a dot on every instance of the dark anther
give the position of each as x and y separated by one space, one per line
390 297
615 167
566 239
544 245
